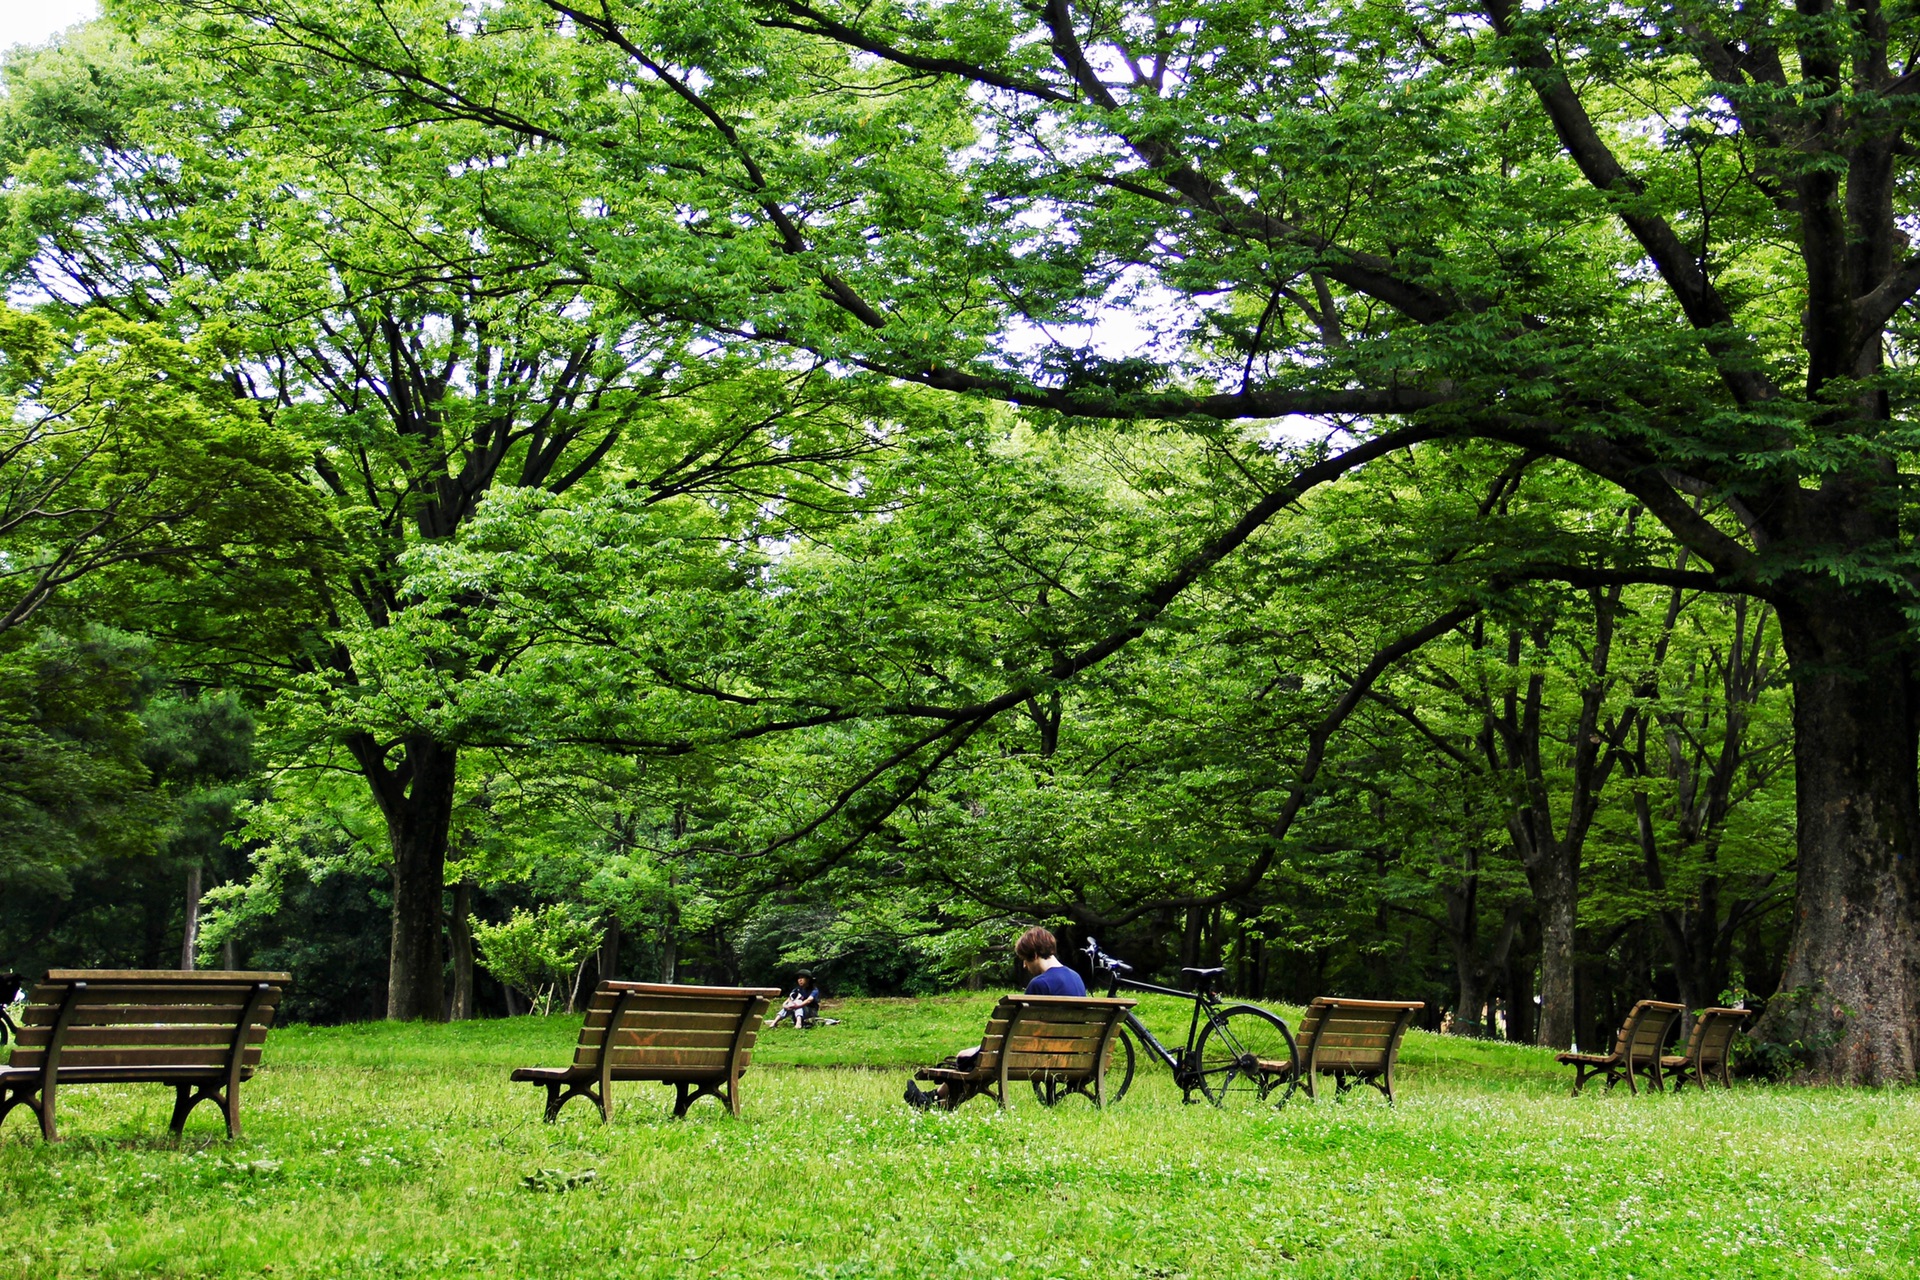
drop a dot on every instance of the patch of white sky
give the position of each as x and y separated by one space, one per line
38 21
1136 316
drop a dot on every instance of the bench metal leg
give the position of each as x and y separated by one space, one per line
188 1096
685 1095
557 1099
28 1096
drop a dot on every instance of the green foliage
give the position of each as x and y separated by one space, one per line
537 952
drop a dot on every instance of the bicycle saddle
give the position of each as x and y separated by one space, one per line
1203 976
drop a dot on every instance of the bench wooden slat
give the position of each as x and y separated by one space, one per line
160 1056
599 1008
642 1019
1049 1044
1356 1027
127 1075
221 995
42 1015
659 1035
171 977
93 1036
679 1059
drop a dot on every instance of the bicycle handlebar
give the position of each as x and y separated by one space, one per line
1100 960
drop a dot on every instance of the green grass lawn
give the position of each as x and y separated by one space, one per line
402 1150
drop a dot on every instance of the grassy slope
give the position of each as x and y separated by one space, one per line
379 1150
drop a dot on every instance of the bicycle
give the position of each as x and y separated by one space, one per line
1235 1053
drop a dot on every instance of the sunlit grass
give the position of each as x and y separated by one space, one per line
380 1150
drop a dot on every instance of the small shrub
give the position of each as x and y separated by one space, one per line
537 952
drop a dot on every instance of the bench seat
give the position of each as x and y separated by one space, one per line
202 1032
1638 1049
1354 1041
698 1039
1709 1049
1065 1041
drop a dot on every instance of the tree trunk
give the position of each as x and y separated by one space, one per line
460 944
669 946
1190 938
1555 893
418 819
1463 932
190 936
610 952
1849 993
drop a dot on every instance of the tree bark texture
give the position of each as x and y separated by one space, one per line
190 935
1849 994
460 944
1555 882
610 952
416 798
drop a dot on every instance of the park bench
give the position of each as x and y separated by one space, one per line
697 1039
1707 1050
1354 1041
201 1032
1637 1049
1060 1040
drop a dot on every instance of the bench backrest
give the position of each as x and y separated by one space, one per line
664 1027
1645 1030
1354 1035
1712 1036
134 1018
1049 1036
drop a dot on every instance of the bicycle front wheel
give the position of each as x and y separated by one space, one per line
1246 1057
1119 1075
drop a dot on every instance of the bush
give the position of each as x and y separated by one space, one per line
537 952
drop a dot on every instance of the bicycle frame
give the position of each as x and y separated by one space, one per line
1202 999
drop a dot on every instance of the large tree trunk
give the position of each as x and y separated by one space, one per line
1462 902
416 799
1555 885
460 943
1849 993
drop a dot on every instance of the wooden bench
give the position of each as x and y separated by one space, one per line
697 1039
1354 1041
1637 1050
201 1032
1707 1050
1064 1041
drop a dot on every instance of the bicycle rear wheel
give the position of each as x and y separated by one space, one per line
1246 1057
1119 1075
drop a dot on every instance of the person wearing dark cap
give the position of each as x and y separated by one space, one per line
802 1004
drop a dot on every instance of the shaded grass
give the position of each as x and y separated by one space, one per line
401 1150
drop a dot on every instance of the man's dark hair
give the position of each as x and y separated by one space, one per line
1035 942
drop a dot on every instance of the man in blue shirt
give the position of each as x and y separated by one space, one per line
1046 976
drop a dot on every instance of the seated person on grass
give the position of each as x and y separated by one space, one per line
1046 977
802 1004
